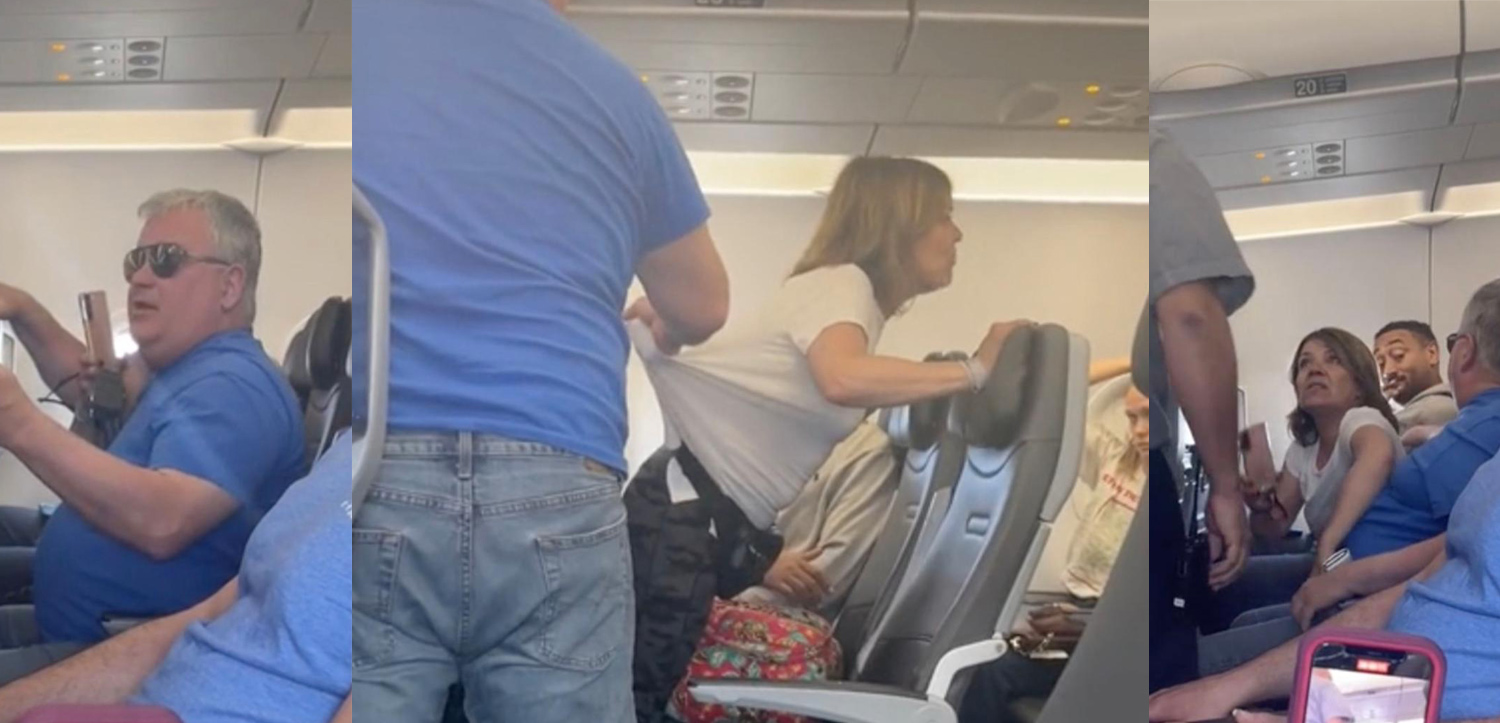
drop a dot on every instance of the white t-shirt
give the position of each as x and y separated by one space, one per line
1320 487
746 404
1105 506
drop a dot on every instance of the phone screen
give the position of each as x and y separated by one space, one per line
1357 683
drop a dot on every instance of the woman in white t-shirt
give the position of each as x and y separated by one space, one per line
752 414
1344 444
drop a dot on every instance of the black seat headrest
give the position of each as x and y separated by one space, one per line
994 414
328 339
295 364
918 426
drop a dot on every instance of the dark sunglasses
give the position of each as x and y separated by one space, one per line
165 260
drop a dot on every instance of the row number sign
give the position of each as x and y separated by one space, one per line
1320 85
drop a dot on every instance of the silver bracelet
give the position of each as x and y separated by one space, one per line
977 373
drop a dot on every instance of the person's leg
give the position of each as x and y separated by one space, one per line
1262 615
548 616
673 553
406 559
1236 646
1174 651
1267 580
995 686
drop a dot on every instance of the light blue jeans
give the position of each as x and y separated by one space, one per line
499 564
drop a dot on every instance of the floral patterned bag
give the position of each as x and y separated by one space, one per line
757 642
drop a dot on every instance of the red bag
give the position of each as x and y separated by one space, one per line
757 642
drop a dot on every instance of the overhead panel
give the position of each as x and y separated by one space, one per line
833 98
1471 187
1301 109
1204 44
961 141
330 16
840 139
33 20
243 57
1480 101
337 57
152 96
1406 150
786 36
1032 104
1485 142
1026 40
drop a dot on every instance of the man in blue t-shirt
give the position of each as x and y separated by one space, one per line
1403 528
524 177
1454 602
159 520
270 646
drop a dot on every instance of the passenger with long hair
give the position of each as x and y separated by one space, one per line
751 415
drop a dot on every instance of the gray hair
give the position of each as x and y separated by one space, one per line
236 232
1482 321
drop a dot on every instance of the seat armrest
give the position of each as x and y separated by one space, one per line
830 701
100 714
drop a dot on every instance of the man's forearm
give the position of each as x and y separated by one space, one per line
1271 675
56 352
143 508
1377 573
112 670
1203 370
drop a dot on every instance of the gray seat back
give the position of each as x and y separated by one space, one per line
1020 432
932 457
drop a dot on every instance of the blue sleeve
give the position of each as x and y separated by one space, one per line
220 429
1449 469
672 203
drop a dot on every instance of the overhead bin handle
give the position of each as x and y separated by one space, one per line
369 447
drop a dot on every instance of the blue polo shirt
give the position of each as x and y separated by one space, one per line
1459 607
1423 488
522 173
222 413
280 654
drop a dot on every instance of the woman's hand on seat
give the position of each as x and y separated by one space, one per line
994 340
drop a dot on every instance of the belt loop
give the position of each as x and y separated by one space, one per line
466 455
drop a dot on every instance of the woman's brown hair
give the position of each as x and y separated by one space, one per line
1357 358
878 209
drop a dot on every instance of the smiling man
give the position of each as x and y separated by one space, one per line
1409 358
158 521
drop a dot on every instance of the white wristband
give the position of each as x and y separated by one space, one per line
977 373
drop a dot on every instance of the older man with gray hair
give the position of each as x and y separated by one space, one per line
159 520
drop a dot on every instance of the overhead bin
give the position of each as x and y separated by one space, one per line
1480 101
787 36
1102 40
66 19
1207 44
919 140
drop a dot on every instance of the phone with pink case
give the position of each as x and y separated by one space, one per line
1347 676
